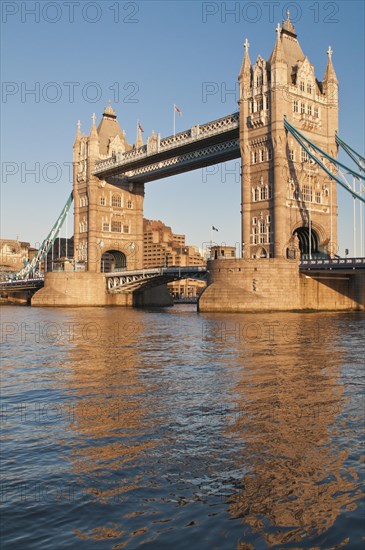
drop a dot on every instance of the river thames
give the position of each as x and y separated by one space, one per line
161 429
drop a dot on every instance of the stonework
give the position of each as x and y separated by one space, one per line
287 200
108 216
276 285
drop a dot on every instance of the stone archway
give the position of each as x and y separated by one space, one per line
308 242
113 260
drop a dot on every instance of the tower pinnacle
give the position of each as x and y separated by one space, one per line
330 75
277 53
246 63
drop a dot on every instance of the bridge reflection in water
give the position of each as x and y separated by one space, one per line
184 420
165 428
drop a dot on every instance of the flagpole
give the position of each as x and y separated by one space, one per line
137 132
174 117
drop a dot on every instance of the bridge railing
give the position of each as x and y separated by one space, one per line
335 262
195 133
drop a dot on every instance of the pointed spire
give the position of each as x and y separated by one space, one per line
93 132
330 75
277 53
139 142
78 133
288 26
246 63
109 111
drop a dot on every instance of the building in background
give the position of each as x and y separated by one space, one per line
14 255
163 248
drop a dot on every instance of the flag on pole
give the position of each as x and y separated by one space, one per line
140 127
177 110
214 228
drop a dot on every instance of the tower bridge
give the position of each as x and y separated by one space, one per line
285 132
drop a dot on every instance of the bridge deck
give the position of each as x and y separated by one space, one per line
343 265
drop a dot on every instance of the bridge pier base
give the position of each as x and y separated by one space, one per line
63 289
277 285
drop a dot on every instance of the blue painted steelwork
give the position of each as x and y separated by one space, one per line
30 269
302 140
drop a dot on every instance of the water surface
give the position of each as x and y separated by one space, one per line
164 429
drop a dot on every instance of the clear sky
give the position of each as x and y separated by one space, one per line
145 56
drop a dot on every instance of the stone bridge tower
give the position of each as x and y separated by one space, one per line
108 215
287 200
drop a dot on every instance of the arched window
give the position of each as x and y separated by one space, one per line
117 201
257 194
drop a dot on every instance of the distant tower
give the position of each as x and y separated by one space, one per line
108 215
287 201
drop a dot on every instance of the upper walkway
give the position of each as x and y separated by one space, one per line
201 145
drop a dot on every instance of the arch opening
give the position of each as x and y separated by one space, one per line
113 260
308 243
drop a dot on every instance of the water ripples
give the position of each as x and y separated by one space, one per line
158 429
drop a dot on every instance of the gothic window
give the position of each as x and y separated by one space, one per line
268 218
257 194
254 235
117 201
260 104
316 112
269 153
295 108
116 226
307 193
318 197
254 157
125 228
262 155
302 86
262 232
102 201
106 226
129 204
302 108
303 155
259 80
254 220
265 193
309 109
309 88
292 154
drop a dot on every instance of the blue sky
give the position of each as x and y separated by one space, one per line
146 56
